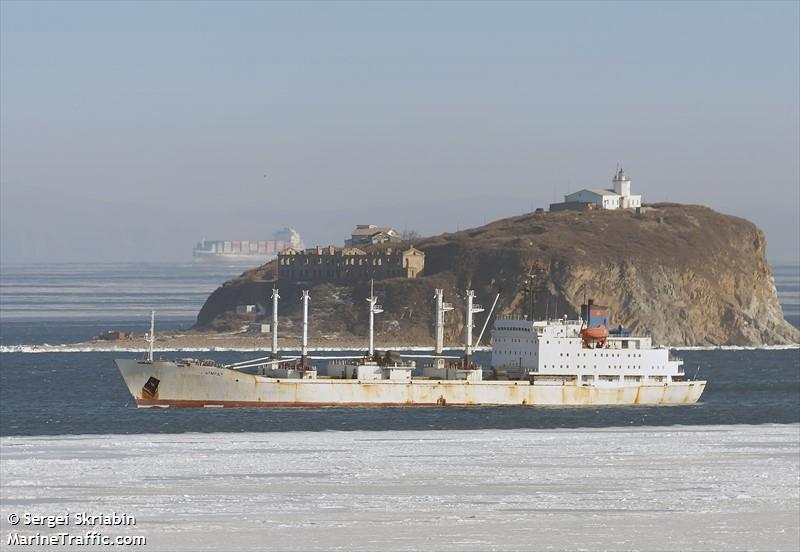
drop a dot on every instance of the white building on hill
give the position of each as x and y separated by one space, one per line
619 197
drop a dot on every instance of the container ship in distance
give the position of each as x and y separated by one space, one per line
534 363
247 251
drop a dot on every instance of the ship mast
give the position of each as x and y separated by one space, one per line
441 308
374 309
151 337
275 297
472 308
304 344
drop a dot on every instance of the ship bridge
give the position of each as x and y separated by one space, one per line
561 348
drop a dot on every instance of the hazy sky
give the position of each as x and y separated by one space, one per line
132 130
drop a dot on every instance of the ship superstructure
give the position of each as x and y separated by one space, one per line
582 351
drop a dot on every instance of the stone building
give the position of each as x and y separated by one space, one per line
348 264
369 234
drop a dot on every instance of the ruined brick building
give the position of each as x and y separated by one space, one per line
348 264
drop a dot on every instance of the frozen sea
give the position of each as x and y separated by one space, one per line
670 488
719 475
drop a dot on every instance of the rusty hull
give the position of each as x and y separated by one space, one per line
198 386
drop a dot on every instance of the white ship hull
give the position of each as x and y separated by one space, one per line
195 385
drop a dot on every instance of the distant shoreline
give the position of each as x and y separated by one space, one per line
211 342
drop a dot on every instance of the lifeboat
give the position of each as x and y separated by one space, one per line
594 338
598 333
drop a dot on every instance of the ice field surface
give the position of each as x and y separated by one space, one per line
645 488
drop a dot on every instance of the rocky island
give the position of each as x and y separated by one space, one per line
684 273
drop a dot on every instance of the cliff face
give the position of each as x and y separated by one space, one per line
686 274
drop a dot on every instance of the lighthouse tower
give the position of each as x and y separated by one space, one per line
622 184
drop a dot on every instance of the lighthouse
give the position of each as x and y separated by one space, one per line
622 184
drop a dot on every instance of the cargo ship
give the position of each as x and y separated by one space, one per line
254 252
534 363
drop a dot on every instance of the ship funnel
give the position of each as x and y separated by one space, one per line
275 297
472 308
304 343
594 315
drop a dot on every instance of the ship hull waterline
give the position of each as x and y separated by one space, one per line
166 384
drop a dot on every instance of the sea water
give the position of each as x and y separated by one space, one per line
77 393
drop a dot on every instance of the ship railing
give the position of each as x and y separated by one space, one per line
345 361
512 317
